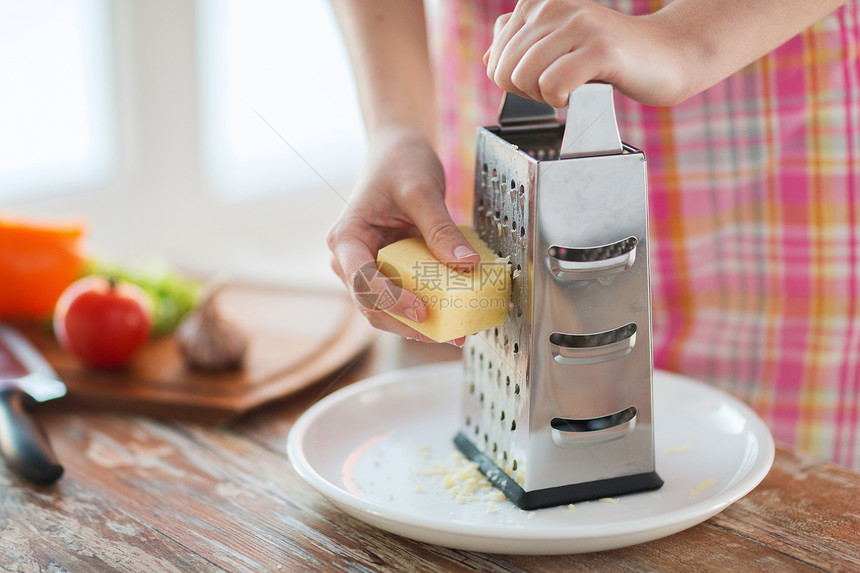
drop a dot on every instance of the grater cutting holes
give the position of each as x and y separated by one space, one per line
557 405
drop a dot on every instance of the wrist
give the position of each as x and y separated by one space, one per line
679 55
386 134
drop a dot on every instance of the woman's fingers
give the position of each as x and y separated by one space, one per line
381 320
355 264
429 213
500 23
548 48
564 75
505 28
525 75
335 266
518 48
400 194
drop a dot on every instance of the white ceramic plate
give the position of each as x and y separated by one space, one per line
372 447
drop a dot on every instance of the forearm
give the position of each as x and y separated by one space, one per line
387 43
719 37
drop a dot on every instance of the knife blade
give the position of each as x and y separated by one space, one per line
26 378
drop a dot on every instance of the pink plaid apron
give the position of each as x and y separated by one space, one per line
755 217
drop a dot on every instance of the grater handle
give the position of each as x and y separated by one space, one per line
517 111
591 127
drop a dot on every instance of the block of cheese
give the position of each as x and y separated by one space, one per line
458 303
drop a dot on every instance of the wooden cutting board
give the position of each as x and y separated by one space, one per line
295 339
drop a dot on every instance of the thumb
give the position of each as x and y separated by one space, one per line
444 239
500 23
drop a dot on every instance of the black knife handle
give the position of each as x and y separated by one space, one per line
23 444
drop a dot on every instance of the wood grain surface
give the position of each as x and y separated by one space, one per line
147 494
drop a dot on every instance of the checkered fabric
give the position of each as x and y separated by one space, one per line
754 194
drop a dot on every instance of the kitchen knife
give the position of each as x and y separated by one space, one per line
26 378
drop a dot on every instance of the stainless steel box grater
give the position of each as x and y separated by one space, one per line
557 400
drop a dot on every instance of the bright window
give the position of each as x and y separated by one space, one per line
57 120
282 64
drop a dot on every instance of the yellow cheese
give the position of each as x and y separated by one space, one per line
457 303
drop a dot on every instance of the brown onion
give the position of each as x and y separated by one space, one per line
208 341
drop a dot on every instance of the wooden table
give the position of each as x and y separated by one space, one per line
141 494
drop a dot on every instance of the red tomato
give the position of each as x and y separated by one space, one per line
101 322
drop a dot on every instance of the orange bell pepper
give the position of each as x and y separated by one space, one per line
38 260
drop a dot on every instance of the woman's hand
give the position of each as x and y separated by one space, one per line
545 49
399 194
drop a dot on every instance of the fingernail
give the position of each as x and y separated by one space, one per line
463 252
411 314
